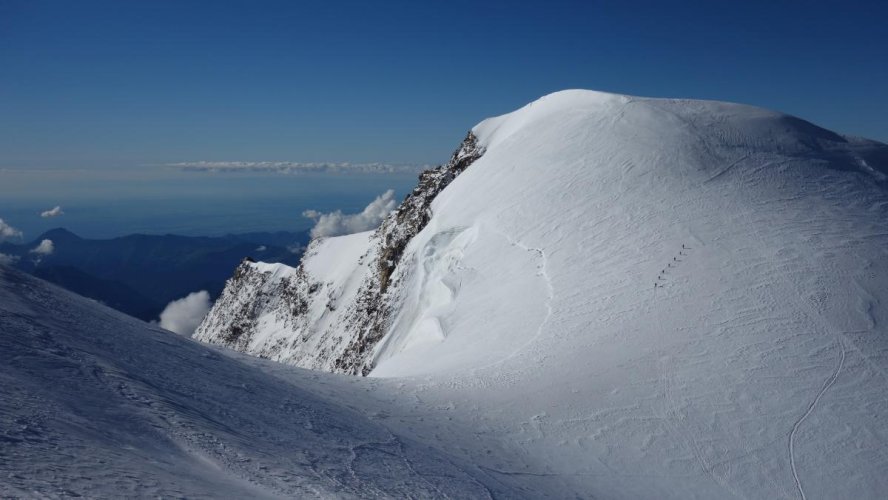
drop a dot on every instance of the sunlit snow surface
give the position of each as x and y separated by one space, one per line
757 365
530 354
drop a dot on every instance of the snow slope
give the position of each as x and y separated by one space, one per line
94 403
656 298
525 351
756 368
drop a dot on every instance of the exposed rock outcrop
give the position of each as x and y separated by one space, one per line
331 311
371 314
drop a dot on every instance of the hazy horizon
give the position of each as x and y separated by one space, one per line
98 203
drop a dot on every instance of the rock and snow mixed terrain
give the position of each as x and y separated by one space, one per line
330 312
598 296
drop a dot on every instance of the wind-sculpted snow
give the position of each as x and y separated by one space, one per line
635 298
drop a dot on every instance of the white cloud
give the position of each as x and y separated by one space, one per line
336 223
46 247
184 315
53 212
7 231
8 260
261 248
294 167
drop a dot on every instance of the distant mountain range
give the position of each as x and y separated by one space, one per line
140 274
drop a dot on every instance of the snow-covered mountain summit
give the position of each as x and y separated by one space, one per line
598 296
652 297
563 195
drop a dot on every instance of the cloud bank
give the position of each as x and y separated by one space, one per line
296 248
293 167
53 212
336 223
184 315
46 247
8 260
7 231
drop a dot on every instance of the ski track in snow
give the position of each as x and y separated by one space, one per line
727 169
827 328
826 385
676 422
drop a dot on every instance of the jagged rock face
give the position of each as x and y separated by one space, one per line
414 213
258 295
371 314
330 312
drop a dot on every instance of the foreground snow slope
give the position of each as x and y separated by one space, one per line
756 368
94 403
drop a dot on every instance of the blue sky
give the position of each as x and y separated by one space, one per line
128 84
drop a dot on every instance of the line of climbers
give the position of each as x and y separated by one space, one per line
674 263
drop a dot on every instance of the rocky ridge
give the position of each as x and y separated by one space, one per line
371 313
301 317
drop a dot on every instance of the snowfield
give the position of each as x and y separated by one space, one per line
98 404
620 298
